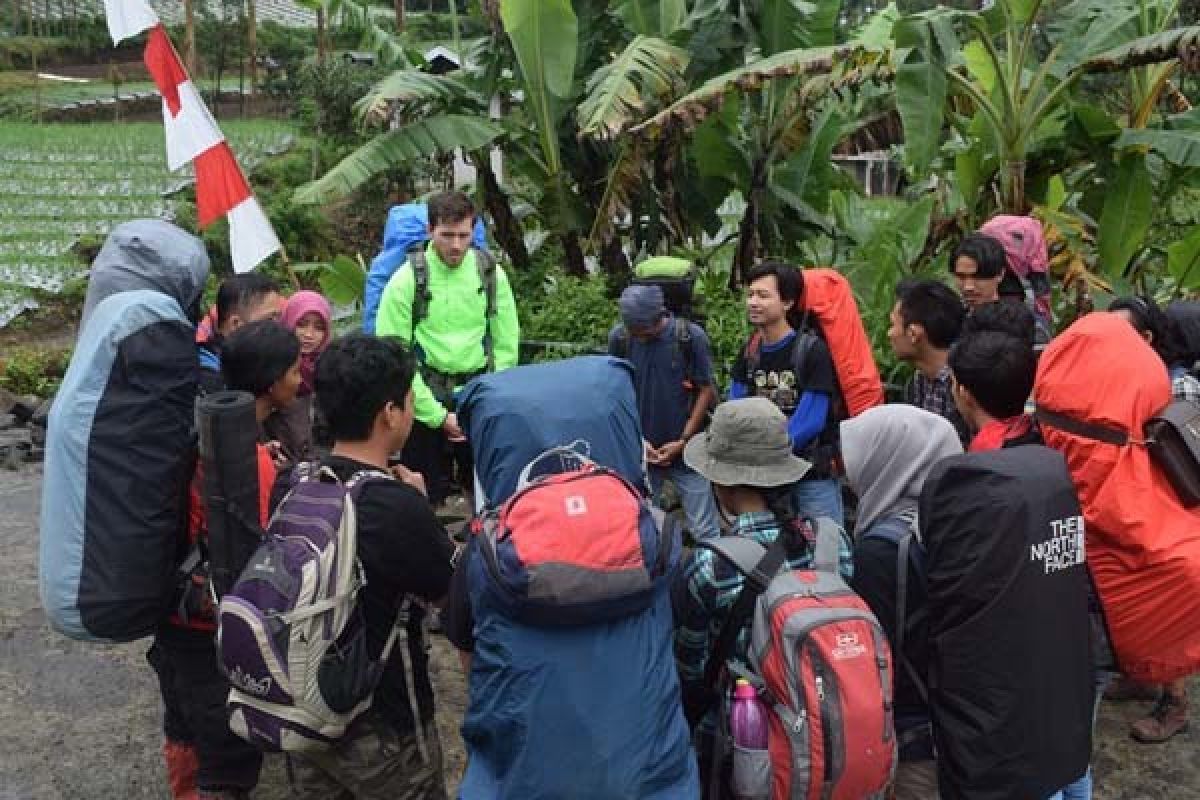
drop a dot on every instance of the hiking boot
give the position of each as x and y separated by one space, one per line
1128 690
1169 717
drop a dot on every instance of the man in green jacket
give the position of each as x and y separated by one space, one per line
454 306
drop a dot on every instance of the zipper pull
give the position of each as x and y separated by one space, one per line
820 687
798 725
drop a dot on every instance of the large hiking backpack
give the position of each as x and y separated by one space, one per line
821 660
677 279
291 637
1010 667
1143 542
512 416
1024 245
829 299
407 226
573 689
120 443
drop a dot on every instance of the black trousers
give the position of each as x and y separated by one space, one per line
194 692
446 465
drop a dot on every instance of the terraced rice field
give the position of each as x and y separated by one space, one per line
60 182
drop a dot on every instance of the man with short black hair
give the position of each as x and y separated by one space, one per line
790 364
462 325
248 297
979 266
1005 316
925 322
364 387
993 377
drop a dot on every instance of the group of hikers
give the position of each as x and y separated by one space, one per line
855 599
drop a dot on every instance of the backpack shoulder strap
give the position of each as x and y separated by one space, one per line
487 278
487 282
421 297
828 545
622 342
802 345
758 565
683 345
910 555
753 355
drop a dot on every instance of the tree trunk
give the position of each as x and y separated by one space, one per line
321 46
252 41
399 5
573 252
1012 187
614 262
747 246
507 229
189 38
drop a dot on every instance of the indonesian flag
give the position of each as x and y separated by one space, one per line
193 136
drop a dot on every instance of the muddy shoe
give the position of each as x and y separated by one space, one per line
1128 690
1168 718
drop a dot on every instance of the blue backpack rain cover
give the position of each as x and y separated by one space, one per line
588 708
513 416
407 226
119 444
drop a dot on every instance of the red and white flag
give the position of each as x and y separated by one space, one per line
194 136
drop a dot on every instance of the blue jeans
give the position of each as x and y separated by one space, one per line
819 498
1082 788
694 492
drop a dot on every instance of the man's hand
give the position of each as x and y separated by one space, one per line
669 453
413 479
451 429
652 455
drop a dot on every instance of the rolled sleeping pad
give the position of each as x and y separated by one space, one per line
228 432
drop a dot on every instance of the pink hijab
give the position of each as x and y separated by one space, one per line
299 304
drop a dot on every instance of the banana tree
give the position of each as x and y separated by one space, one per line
767 130
1007 100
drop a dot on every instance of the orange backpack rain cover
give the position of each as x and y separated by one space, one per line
1143 546
829 298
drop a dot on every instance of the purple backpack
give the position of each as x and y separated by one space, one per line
290 634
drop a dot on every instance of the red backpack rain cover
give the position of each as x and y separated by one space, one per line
1143 545
829 298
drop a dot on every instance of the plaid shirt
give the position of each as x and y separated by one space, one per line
936 397
710 586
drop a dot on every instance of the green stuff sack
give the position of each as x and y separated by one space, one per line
676 277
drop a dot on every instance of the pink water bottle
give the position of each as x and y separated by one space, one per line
748 719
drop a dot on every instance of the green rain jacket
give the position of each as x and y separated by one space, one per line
450 336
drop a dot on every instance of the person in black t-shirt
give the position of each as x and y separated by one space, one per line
768 366
364 387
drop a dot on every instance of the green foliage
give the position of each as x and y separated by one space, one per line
36 371
329 93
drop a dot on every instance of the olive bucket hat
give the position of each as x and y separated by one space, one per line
747 444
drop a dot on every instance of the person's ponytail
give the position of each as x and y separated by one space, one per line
791 525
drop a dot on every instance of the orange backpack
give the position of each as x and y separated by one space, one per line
829 299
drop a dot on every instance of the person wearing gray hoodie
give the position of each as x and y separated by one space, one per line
888 452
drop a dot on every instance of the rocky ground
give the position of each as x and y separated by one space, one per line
82 721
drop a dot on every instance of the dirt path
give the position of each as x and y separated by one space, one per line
82 721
